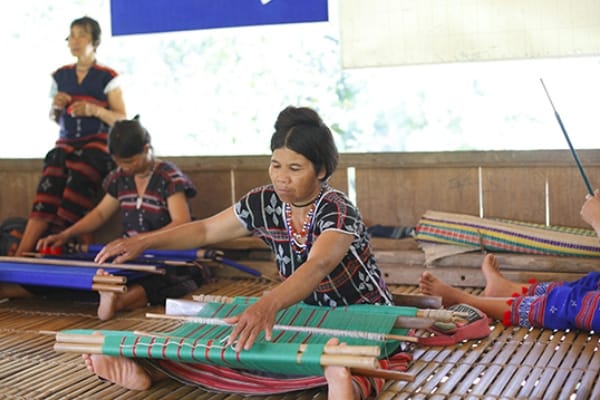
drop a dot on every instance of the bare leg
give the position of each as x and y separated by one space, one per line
111 302
494 307
13 291
496 284
123 371
339 380
33 230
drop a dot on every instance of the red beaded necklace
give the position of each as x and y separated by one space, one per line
299 239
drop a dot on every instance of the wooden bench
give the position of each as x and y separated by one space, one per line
394 189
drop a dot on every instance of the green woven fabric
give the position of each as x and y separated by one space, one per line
193 342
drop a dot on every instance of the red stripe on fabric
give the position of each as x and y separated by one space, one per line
67 144
231 381
84 169
587 312
207 349
47 198
179 347
163 351
78 199
134 347
54 171
97 145
294 318
67 148
194 347
121 345
149 351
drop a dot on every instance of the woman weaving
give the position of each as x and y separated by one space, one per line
150 194
320 243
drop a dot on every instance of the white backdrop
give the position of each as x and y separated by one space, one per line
377 33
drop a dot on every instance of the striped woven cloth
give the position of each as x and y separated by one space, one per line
505 235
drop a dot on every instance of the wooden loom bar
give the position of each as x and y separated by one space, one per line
184 258
331 356
424 318
383 373
349 361
357 350
109 288
151 269
330 332
109 279
360 359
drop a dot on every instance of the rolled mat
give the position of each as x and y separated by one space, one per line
497 235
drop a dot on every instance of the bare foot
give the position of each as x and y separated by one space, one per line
122 371
432 286
496 284
13 291
108 301
339 380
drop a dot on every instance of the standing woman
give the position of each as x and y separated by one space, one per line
87 100
150 194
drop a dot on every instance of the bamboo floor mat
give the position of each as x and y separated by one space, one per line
512 363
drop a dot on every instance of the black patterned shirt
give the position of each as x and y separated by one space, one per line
151 211
357 279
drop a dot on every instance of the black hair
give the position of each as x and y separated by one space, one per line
302 130
92 26
127 138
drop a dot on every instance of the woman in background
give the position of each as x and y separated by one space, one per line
87 100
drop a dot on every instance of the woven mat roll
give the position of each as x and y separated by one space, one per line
464 233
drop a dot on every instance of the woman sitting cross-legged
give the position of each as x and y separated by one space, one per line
321 245
150 194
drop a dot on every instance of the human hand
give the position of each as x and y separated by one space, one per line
121 249
590 211
83 109
52 241
248 325
60 101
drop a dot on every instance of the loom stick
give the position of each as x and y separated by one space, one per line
102 287
573 152
442 315
311 330
68 263
110 279
77 343
77 338
423 320
413 322
349 361
179 257
383 373
417 300
84 348
212 298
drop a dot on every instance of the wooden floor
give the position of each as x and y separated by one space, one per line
512 363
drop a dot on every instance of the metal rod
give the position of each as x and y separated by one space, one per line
573 152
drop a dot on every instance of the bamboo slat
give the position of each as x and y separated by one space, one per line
512 363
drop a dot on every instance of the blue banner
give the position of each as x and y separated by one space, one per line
150 16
